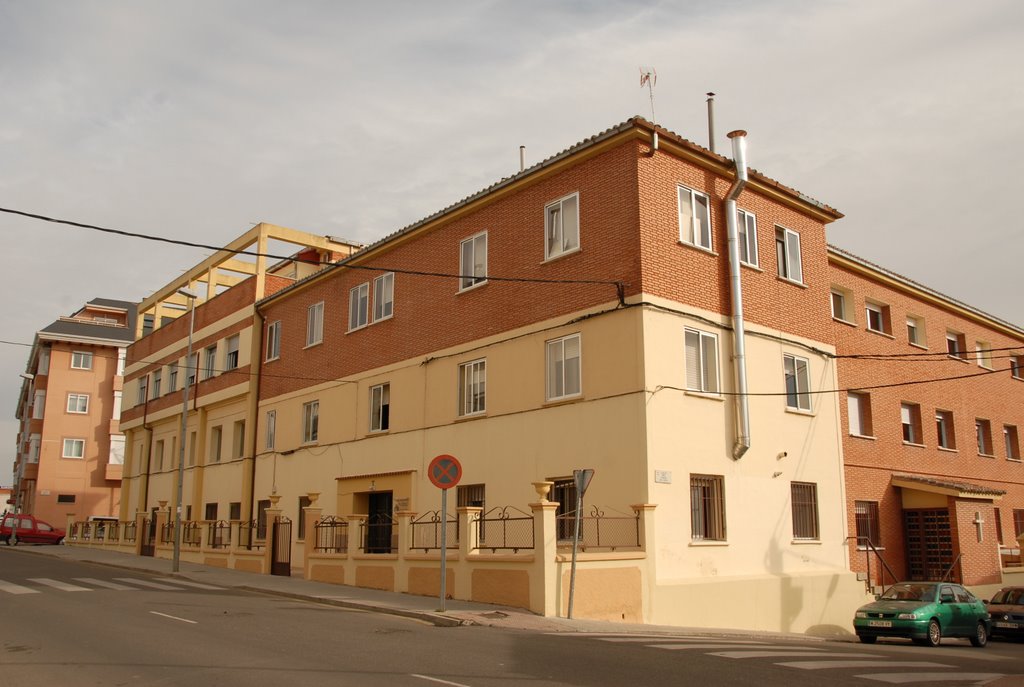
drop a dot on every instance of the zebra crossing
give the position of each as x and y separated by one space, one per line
39 585
863 664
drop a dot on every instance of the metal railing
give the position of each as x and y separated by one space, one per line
191 534
869 549
500 529
220 535
167 533
379 534
249 535
426 531
331 535
130 529
601 531
949 570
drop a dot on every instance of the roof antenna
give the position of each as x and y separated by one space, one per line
649 79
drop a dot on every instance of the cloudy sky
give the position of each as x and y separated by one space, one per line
195 119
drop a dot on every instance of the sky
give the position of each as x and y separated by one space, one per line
196 119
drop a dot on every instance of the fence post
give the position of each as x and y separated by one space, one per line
645 512
355 533
273 513
140 525
545 597
162 514
311 515
405 518
68 522
469 533
234 530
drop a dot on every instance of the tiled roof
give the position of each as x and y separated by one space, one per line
962 487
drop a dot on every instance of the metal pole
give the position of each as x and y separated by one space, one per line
575 545
181 439
444 545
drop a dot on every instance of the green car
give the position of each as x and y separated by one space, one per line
924 612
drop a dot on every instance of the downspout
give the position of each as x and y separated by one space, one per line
739 153
258 366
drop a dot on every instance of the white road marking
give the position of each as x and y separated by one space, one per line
189 583
106 584
57 584
795 653
931 678
819 665
174 617
147 583
709 645
12 588
662 638
438 680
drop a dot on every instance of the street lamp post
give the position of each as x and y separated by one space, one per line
184 417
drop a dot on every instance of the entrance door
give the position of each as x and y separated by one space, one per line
379 522
929 544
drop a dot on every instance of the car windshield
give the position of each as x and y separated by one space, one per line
1013 595
909 592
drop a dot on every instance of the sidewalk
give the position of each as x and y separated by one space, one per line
395 603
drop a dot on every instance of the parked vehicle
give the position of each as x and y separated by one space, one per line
924 612
28 529
1007 611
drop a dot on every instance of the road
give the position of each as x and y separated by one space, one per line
71 623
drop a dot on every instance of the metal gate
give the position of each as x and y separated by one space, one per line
281 551
148 537
929 543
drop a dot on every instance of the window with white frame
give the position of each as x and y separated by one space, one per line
867 523
840 308
39 404
798 382
172 377
78 403
562 226
858 405
787 252
191 369
158 455
44 362
983 351
238 439
155 384
983 428
1017 366
563 363
707 507
271 433
216 442
473 261
358 306
877 317
315 324
915 331
694 218
210 362
143 387
701 361
747 226
380 407
910 418
274 340
956 344
805 510
81 360
231 357
1011 442
383 296
473 387
73 448
945 430
310 422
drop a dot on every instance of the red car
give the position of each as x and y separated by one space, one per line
28 529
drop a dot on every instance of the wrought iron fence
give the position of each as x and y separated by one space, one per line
75 530
220 535
331 535
379 534
167 533
130 528
109 531
601 531
252 535
426 531
191 534
502 529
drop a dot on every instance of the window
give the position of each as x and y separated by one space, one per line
216 439
174 453
274 340
866 516
315 324
707 507
956 344
798 382
878 317
983 351
81 360
1017 366
858 406
78 403
1018 522
747 226
231 358
473 261
73 448
787 251
694 218
310 422
210 362
234 510
271 429
192 366
915 331
1010 442
380 407
999 525
172 377
142 395
983 428
304 503
562 226
211 511
383 296
910 416
805 510
358 303
473 387
563 362
944 429
192 448
158 455
238 439
839 309
39 404
65 498
157 379
701 361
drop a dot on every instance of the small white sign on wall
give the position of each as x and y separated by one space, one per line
663 477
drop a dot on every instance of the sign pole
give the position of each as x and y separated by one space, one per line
444 546
582 479
444 472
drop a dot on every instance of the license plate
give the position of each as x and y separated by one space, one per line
1009 626
879 623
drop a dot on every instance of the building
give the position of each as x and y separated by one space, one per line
70 447
934 478
223 374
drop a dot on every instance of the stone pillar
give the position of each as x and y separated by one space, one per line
469 532
311 516
140 531
355 543
69 522
273 513
648 544
544 582
161 521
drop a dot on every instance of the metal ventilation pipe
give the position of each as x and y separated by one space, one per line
739 154
522 158
711 122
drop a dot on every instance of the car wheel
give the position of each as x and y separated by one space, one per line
867 639
934 633
980 637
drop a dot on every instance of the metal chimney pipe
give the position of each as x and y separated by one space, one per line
522 158
739 153
711 121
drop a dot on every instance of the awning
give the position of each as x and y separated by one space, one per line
938 485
